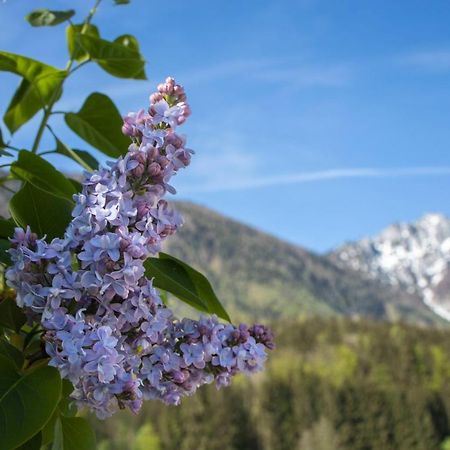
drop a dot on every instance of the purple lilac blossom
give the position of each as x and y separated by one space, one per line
106 328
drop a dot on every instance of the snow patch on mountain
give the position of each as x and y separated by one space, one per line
415 257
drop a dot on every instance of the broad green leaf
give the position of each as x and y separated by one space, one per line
6 228
129 41
40 173
99 123
40 85
26 402
117 59
2 142
9 351
48 18
82 157
11 316
33 444
121 2
45 213
73 33
73 433
4 255
184 282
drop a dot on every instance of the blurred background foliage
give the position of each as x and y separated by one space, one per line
332 384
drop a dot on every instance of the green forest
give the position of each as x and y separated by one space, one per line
331 384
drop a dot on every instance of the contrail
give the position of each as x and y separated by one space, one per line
307 177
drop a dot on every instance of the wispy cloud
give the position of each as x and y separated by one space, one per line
434 60
274 71
308 177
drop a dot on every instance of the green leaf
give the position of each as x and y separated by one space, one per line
73 33
33 444
45 213
40 173
4 255
117 59
40 86
9 351
2 142
184 282
48 18
73 433
6 228
121 2
26 402
99 123
11 316
82 157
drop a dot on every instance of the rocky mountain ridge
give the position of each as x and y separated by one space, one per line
413 257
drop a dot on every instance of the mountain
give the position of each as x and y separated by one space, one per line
259 276
413 257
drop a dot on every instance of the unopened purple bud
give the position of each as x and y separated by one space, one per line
154 169
138 171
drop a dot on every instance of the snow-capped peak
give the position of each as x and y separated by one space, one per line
413 256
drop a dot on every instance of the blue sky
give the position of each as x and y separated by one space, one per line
316 121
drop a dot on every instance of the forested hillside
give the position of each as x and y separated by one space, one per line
259 276
335 384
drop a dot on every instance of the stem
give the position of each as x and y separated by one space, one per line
48 109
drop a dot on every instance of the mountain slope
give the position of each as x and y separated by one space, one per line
259 276
414 257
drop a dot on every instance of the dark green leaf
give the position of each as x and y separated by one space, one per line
48 18
120 60
121 2
33 444
73 33
45 213
11 316
73 433
9 351
40 85
40 173
6 228
99 123
26 402
2 142
4 255
184 282
82 157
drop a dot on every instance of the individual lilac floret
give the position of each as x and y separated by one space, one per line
106 328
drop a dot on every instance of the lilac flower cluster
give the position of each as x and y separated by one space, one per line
106 328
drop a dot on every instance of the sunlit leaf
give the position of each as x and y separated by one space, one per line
99 123
40 173
184 282
73 33
82 157
45 213
46 17
40 85
123 61
26 402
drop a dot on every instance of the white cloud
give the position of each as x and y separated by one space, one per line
435 60
241 184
